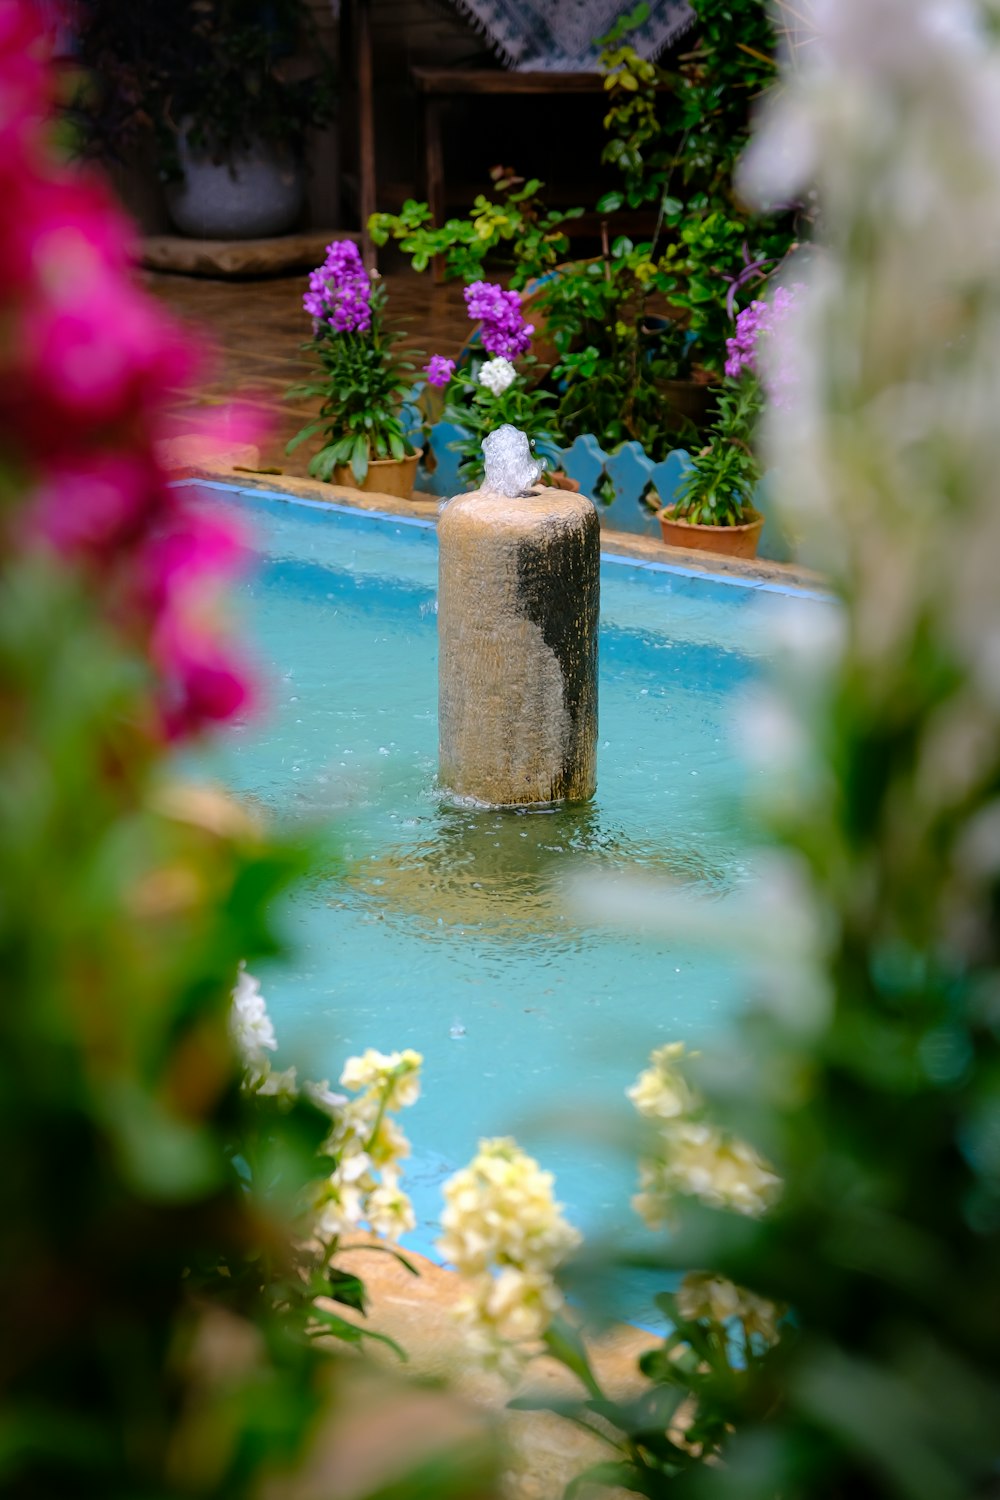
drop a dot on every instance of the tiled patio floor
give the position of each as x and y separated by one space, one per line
257 328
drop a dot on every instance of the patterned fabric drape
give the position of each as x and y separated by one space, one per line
558 35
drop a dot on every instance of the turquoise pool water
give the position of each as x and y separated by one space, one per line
446 929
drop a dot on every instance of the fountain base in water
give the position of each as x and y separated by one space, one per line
518 607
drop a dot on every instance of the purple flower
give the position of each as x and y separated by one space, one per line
504 331
760 321
439 370
339 291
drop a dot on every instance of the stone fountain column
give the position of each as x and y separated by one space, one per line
518 605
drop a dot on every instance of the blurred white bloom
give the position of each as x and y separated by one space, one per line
693 1158
368 1145
388 1209
250 1027
500 1216
719 1169
662 1092
324 1098
365 1141
500 1211
702 1295
395 1076
341 1210
497 374
283 1085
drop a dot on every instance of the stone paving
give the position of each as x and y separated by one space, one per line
257 328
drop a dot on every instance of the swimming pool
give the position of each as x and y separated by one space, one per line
445 928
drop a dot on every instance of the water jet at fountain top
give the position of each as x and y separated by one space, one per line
518 608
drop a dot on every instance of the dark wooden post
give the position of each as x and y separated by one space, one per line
366 124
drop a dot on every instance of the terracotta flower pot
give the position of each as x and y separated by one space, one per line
556 479
386 476
732 541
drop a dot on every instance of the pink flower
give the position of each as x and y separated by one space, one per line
195 545
25 88
758 328
340 291
88 366
439 370
202 684
93 351
504 331
182 569
89 504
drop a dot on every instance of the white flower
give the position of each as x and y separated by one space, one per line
283 1085
500 1210
368 1145
341 1210
704 1296
662 1092
500 1216
394 1076
250 1027
520 1304
323 1097
497 374
388 1210
693 1158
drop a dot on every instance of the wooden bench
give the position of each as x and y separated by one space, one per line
436 86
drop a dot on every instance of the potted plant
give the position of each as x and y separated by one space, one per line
363 380
218 87
485 392
714 510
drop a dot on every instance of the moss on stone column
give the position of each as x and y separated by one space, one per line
518 605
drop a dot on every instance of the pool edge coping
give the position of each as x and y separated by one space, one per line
617 547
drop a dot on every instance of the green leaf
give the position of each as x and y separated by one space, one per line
345 1287
359 459
383 1250
321 465
611 1473
300 437
565 1344
609 203
353 1333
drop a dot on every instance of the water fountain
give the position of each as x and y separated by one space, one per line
518 606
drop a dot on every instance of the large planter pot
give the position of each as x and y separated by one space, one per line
731 541
690 401
253 195
386 476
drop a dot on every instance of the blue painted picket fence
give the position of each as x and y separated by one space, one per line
632 473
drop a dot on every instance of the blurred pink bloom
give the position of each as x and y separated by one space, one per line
90 503
97 351
202 684
25 87
88 367
194 546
